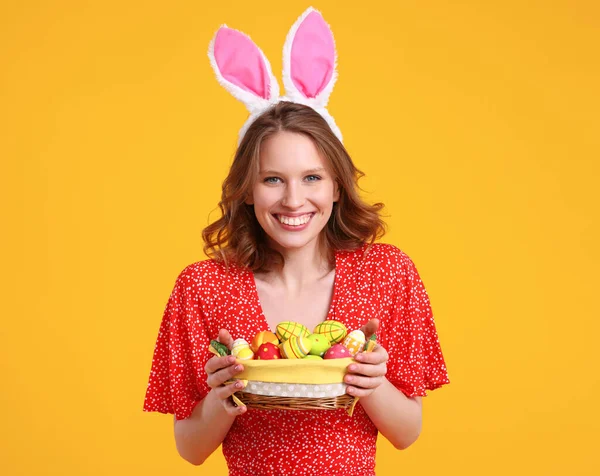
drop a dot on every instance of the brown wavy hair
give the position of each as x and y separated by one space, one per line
238 237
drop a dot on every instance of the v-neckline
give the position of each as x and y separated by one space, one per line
330 312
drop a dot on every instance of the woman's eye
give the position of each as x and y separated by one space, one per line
271 179
315 177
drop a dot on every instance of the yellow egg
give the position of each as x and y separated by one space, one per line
245 353
287 329
354 342
295 347
241 350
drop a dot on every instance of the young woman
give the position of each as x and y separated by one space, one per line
295 242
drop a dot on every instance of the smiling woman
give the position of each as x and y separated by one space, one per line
295 242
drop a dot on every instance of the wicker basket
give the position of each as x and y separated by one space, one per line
291 384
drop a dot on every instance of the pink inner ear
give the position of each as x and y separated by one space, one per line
312 56
241 63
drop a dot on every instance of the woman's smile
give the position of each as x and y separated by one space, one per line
294 223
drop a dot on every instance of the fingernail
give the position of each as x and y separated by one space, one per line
358 357
349 379
238 368
352 368
230 359
239 385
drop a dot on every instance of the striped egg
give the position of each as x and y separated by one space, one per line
334 331
295 347
287 329
354 342
241 350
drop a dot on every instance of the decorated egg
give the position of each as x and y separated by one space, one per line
312 357
334 331
337 351
287 329
261 338
354 342
268 351
295 347
319 344
241 350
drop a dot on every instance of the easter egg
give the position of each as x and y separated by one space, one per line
241 350
295 347
334 331
261 338
312 357
337 351
319 344
354 342
268 351
287 329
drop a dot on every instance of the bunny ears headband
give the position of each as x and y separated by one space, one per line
309 61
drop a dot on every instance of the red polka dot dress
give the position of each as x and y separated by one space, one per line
381 282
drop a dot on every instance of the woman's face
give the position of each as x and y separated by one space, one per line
294 193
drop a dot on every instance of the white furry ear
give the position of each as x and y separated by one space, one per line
243 69
309 61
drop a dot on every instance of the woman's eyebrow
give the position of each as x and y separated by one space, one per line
309 171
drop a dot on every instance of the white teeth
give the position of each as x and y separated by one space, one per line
294 221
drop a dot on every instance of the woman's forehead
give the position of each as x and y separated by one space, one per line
291 153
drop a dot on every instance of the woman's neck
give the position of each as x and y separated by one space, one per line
302 268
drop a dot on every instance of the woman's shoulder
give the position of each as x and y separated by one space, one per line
377 255
208 272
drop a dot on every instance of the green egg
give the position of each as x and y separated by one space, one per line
320 344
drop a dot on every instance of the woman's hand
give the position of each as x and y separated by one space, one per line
364 377
222 369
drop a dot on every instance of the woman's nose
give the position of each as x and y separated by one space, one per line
293 196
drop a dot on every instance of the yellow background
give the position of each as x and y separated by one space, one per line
476 123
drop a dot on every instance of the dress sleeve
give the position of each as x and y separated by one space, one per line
177 379
416 363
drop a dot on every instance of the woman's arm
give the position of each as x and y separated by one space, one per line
199 435
395 415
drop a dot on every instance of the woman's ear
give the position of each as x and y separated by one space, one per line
336 191
249 200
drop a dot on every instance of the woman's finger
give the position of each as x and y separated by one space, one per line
218 378
226 391
231 408
377 356
368 370
358 391
217 363
225 338
363 382
370 328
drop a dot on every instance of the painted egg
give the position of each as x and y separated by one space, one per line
334 331
241 350
295 347
337 351
268 351
354 342
319 344
261 338
287 329
312 357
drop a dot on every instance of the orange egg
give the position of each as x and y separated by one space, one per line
261 338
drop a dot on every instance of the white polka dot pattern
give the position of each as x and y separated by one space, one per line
382 283
297 390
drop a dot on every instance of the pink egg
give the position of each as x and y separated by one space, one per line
337 351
